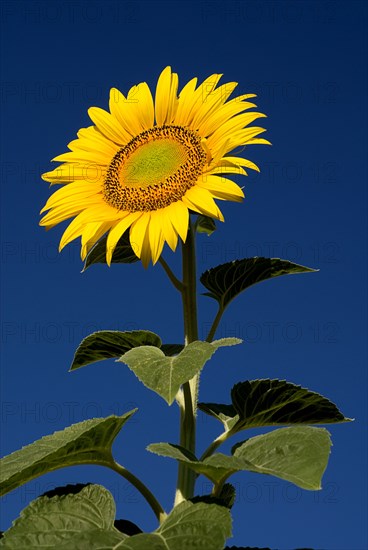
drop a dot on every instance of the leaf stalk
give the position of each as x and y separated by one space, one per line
142 488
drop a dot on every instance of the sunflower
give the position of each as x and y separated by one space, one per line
147 163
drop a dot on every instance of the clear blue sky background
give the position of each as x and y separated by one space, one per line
305 60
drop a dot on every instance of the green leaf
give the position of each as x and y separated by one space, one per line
170 450
108 344
226 281
164 375
123 253
87 442
205 224
127 527
172 349
144 541
258 403
86 520
225 497
217 467
78 521
298 455
272 402
96 539
191 526
225 413
188 527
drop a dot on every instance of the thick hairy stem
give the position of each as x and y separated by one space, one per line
188 408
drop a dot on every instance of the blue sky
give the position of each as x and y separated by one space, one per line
305 61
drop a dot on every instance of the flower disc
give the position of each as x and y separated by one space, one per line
154 169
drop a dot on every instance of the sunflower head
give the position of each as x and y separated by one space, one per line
148 162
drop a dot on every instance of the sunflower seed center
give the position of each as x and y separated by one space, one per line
154 169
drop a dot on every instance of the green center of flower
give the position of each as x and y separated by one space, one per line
152 163
154 169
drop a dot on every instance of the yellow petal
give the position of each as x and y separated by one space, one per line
179 217
77 190
144 105
74 230
242 162
258 141
184 102
222 188
108 125
165 98
226 168
136 112
91 139
173 99
199 97
91 234
212 102
117 231
218 152
67 173
68 209
108 149
237 139
57 215
98 158
93 210
156 239
224 113
139 239
200 200
168 231
233 125
120 109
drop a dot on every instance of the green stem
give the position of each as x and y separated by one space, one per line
214 445
175 281
140 486
215 324
188 405
217 488
189 293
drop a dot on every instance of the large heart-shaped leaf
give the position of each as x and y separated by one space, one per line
226 281
108 344
271 402
87 442
86 520
191 526
258 403
298 455
67 522
123 253
188 527
164 375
